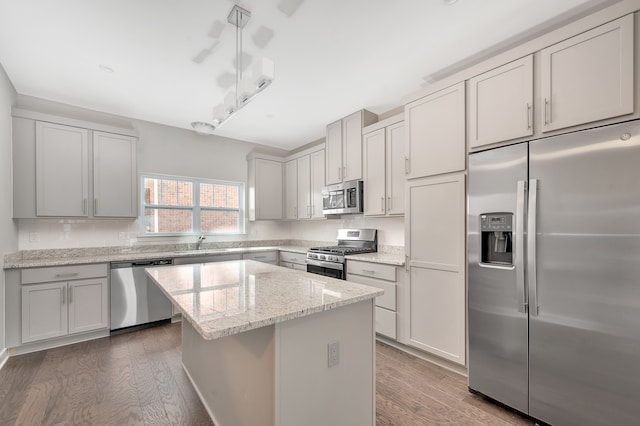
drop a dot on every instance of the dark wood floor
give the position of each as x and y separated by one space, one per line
137 379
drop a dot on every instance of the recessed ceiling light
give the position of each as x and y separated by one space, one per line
449 1
203 128
106 68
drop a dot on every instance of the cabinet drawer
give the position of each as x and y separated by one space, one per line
262 256
287 256
373 270
388 299
386 322
63 273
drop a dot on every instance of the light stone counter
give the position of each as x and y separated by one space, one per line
271 346
225 298
379 257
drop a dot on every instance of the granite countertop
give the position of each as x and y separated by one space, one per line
390 258
225 298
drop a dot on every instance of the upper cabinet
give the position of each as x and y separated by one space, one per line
291 189
344 147
435 126
501 103
61 170
265 189
70 171
588 77
384 168
114 175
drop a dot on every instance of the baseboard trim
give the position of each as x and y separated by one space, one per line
54 343
440 362
4 356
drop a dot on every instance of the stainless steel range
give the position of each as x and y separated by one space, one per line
330 261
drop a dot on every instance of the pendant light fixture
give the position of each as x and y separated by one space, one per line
247 86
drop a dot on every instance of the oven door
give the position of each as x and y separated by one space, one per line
328 269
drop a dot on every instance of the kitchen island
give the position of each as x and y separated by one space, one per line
256 339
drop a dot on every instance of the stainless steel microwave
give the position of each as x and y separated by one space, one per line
342 198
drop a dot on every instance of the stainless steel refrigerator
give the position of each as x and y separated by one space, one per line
554 276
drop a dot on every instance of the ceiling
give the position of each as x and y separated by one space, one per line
172 61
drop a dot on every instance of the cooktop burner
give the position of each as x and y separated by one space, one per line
342 250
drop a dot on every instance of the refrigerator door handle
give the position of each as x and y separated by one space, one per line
519 249
531 246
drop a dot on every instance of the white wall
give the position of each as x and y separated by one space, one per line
390 229
162 150
8 228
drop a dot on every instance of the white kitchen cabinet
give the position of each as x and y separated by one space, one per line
265 189
263 256
114 175
310 170
384 169
291 189
387 278
588 77
435 244
501 103
62 170
344 147
70 171
304 187
435 126
293 260
61 301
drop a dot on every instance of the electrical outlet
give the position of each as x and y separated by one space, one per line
34 237
122 235
333 352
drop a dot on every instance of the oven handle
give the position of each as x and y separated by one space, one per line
325 264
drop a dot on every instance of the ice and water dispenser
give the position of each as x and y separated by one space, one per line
497 238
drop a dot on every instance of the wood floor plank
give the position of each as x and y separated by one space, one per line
138 379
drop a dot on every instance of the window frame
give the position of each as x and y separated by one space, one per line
195 208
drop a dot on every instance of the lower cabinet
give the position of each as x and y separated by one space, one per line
263 256
386 277
293 260
60 301
435 244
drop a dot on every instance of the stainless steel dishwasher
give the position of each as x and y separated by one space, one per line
136 301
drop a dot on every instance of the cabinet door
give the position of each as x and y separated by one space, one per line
588 77
374 173
352 146
61 170
501 103
317 182
268 189
334 153
395 169
436 133
44 311
88 305
291 189
304 187
114 176
435 244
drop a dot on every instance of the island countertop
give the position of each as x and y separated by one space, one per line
225 298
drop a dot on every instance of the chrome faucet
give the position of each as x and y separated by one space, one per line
201 238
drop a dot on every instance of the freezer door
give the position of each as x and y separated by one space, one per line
585 334
496 313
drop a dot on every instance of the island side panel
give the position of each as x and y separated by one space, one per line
233 375
308 391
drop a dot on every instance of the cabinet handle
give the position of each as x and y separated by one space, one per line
406 166
529 120
381 204
64 295
84 206
339 173
95 206
70 294
547 110
69 275
368 271
406 262
344 172
389 205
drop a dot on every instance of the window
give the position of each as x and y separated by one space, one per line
182 205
